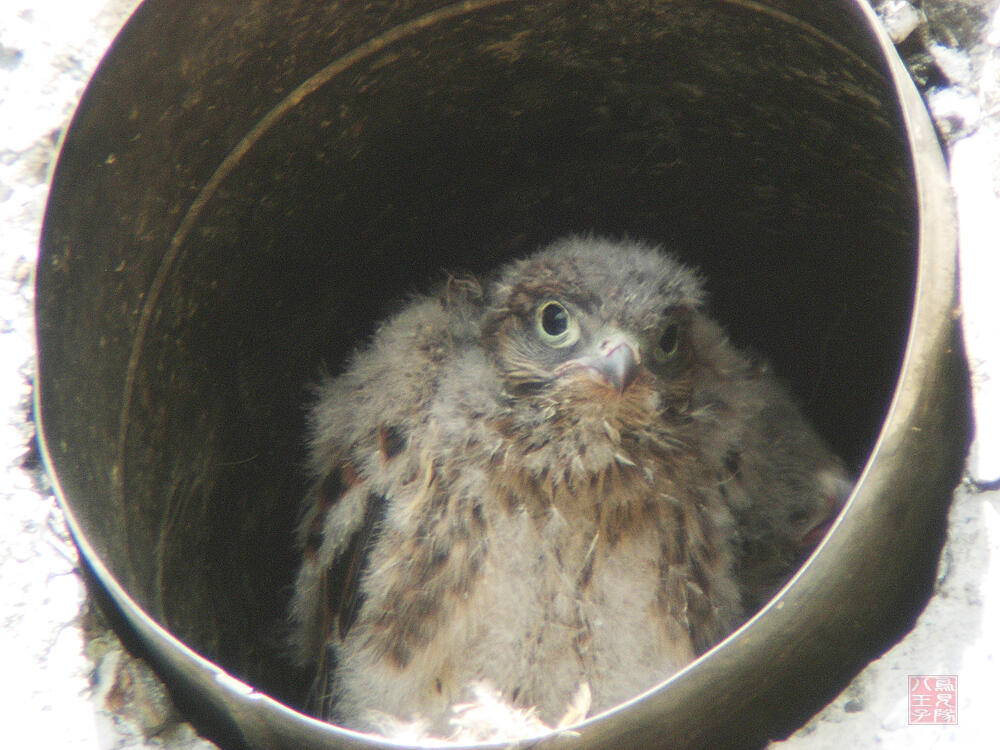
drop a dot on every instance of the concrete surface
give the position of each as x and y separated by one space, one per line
68 683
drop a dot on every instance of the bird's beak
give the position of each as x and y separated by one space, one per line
616 365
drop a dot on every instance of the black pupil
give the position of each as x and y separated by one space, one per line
554 319
668 341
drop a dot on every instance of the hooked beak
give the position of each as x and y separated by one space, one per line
616 365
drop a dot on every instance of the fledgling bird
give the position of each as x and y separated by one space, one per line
556 488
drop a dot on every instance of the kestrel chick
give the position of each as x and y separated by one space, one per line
564 477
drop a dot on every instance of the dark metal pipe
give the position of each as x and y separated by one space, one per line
245 186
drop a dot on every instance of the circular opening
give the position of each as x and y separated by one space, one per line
244 210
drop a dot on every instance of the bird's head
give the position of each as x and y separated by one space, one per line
588 324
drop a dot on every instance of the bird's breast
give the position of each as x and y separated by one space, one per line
557 606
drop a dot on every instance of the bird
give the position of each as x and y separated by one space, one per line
548 489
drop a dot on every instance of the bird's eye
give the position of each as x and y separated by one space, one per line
556 327
669 343
554 319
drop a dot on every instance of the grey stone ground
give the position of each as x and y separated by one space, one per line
66 681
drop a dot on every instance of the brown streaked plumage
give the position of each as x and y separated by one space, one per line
563 482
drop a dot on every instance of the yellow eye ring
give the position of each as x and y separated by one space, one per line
555 325
668 343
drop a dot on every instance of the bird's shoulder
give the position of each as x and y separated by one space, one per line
393 382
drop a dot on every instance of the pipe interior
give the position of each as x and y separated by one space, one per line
213 244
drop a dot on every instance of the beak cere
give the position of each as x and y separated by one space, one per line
616 366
